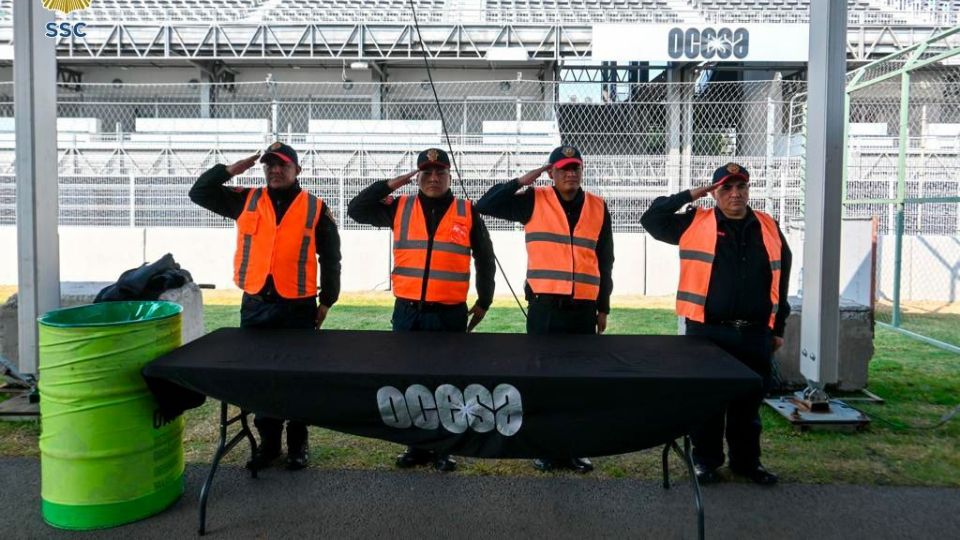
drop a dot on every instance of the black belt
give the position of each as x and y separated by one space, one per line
739 323
276 299
427 307
562 302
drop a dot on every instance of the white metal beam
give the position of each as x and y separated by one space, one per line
35 98
820 322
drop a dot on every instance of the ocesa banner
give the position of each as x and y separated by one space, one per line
693 43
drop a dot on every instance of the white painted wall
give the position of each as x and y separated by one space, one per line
644 266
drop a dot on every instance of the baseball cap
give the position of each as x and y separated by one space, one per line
433 158
730 171
282 151
565 155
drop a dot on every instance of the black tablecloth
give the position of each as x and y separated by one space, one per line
483 395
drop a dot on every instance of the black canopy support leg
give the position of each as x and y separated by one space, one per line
223 447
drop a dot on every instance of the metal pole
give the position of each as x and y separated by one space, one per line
38 244
820 323
904 134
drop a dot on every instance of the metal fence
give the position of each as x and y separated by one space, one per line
640 140
903 170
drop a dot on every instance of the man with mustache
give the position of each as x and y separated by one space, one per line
434 236
734 277
280 229
569 240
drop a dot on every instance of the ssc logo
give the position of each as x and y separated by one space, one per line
709 43
475 408
66 6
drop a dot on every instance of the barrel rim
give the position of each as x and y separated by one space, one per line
44 319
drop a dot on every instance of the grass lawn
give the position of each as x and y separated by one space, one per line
919 382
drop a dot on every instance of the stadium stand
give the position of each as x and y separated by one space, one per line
586 11
499 11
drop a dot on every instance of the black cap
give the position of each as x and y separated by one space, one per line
564 155
730 171
282 151
433 158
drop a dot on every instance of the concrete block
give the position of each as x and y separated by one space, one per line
191 298
79 293
856 347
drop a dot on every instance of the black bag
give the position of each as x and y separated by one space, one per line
147 282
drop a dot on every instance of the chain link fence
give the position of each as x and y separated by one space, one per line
903 166
129 153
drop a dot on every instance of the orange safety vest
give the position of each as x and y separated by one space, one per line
286 251
449 277
698 246
559 262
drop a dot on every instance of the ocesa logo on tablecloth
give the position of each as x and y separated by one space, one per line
474 408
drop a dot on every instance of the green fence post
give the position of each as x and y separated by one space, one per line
901 192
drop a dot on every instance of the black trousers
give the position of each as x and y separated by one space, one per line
410 316
555 316
741 420
257 313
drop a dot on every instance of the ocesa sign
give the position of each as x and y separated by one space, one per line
708 43
475 408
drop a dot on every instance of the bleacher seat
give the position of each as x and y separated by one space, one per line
531 135
412 134
200 131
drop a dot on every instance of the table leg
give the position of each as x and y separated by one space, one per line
666 466
223 447
687 455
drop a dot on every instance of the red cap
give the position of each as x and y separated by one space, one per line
566 161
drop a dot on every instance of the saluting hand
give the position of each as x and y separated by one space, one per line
532 176
601 322
321 314
401 180
696 193
476 315
243 165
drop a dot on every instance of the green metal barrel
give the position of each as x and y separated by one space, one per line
106 458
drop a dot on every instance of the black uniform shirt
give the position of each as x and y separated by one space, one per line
503 201
740 281
210 193
367 208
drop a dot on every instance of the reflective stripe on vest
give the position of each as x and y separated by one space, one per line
698 247
448 278
285 251
559 262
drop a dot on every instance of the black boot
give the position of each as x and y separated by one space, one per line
581 465
298 457
264 456
413 457
545 464
444 464
269 449
298 454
